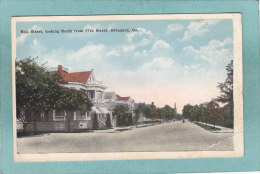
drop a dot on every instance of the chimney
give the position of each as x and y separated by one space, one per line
59 68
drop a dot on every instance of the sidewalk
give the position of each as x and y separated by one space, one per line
114 130
120 129
222 129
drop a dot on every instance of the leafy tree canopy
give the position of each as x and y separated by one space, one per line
39 91
226 88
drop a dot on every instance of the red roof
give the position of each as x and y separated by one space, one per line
122 98
81 77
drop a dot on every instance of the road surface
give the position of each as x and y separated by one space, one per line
174 136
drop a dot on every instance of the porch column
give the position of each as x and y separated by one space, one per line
95 96
53 115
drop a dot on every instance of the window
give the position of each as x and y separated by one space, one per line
91 94
100 96
59 115
81 115
88 115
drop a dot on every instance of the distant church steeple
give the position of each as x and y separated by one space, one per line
175 110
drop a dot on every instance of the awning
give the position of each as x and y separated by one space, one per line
95 109
104 110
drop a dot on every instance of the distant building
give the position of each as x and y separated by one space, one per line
110 97
113 100
127 101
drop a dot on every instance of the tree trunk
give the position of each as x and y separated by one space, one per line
136 120
68 122
68 116
24 126
34 123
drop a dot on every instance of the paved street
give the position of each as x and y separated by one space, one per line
174 136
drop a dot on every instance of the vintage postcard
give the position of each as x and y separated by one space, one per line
119 87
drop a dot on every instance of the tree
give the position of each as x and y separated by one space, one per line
121 113
186 111
214 112
129 119
146 111
155 112
108 122
167 112
70 99
38 91
196 113
137 112
228 119
179 116
95 122
226 89
204 113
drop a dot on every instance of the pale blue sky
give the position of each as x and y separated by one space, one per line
165 61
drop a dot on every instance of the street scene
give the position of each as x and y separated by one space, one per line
101 86
173 136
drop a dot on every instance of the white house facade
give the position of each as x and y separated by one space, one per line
94 89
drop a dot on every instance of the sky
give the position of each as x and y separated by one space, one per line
162 61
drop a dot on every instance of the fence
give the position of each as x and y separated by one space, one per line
57 126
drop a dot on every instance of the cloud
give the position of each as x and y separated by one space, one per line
160 62
85 58
36 49
143 53
90 52
159 47
144 42
140 38
140 32
127 48
113 53
23 36
160 44
174 27
215 52
55 57
197 29
35 42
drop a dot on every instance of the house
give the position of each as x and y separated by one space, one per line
95 90
110 97
126 100
113 100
